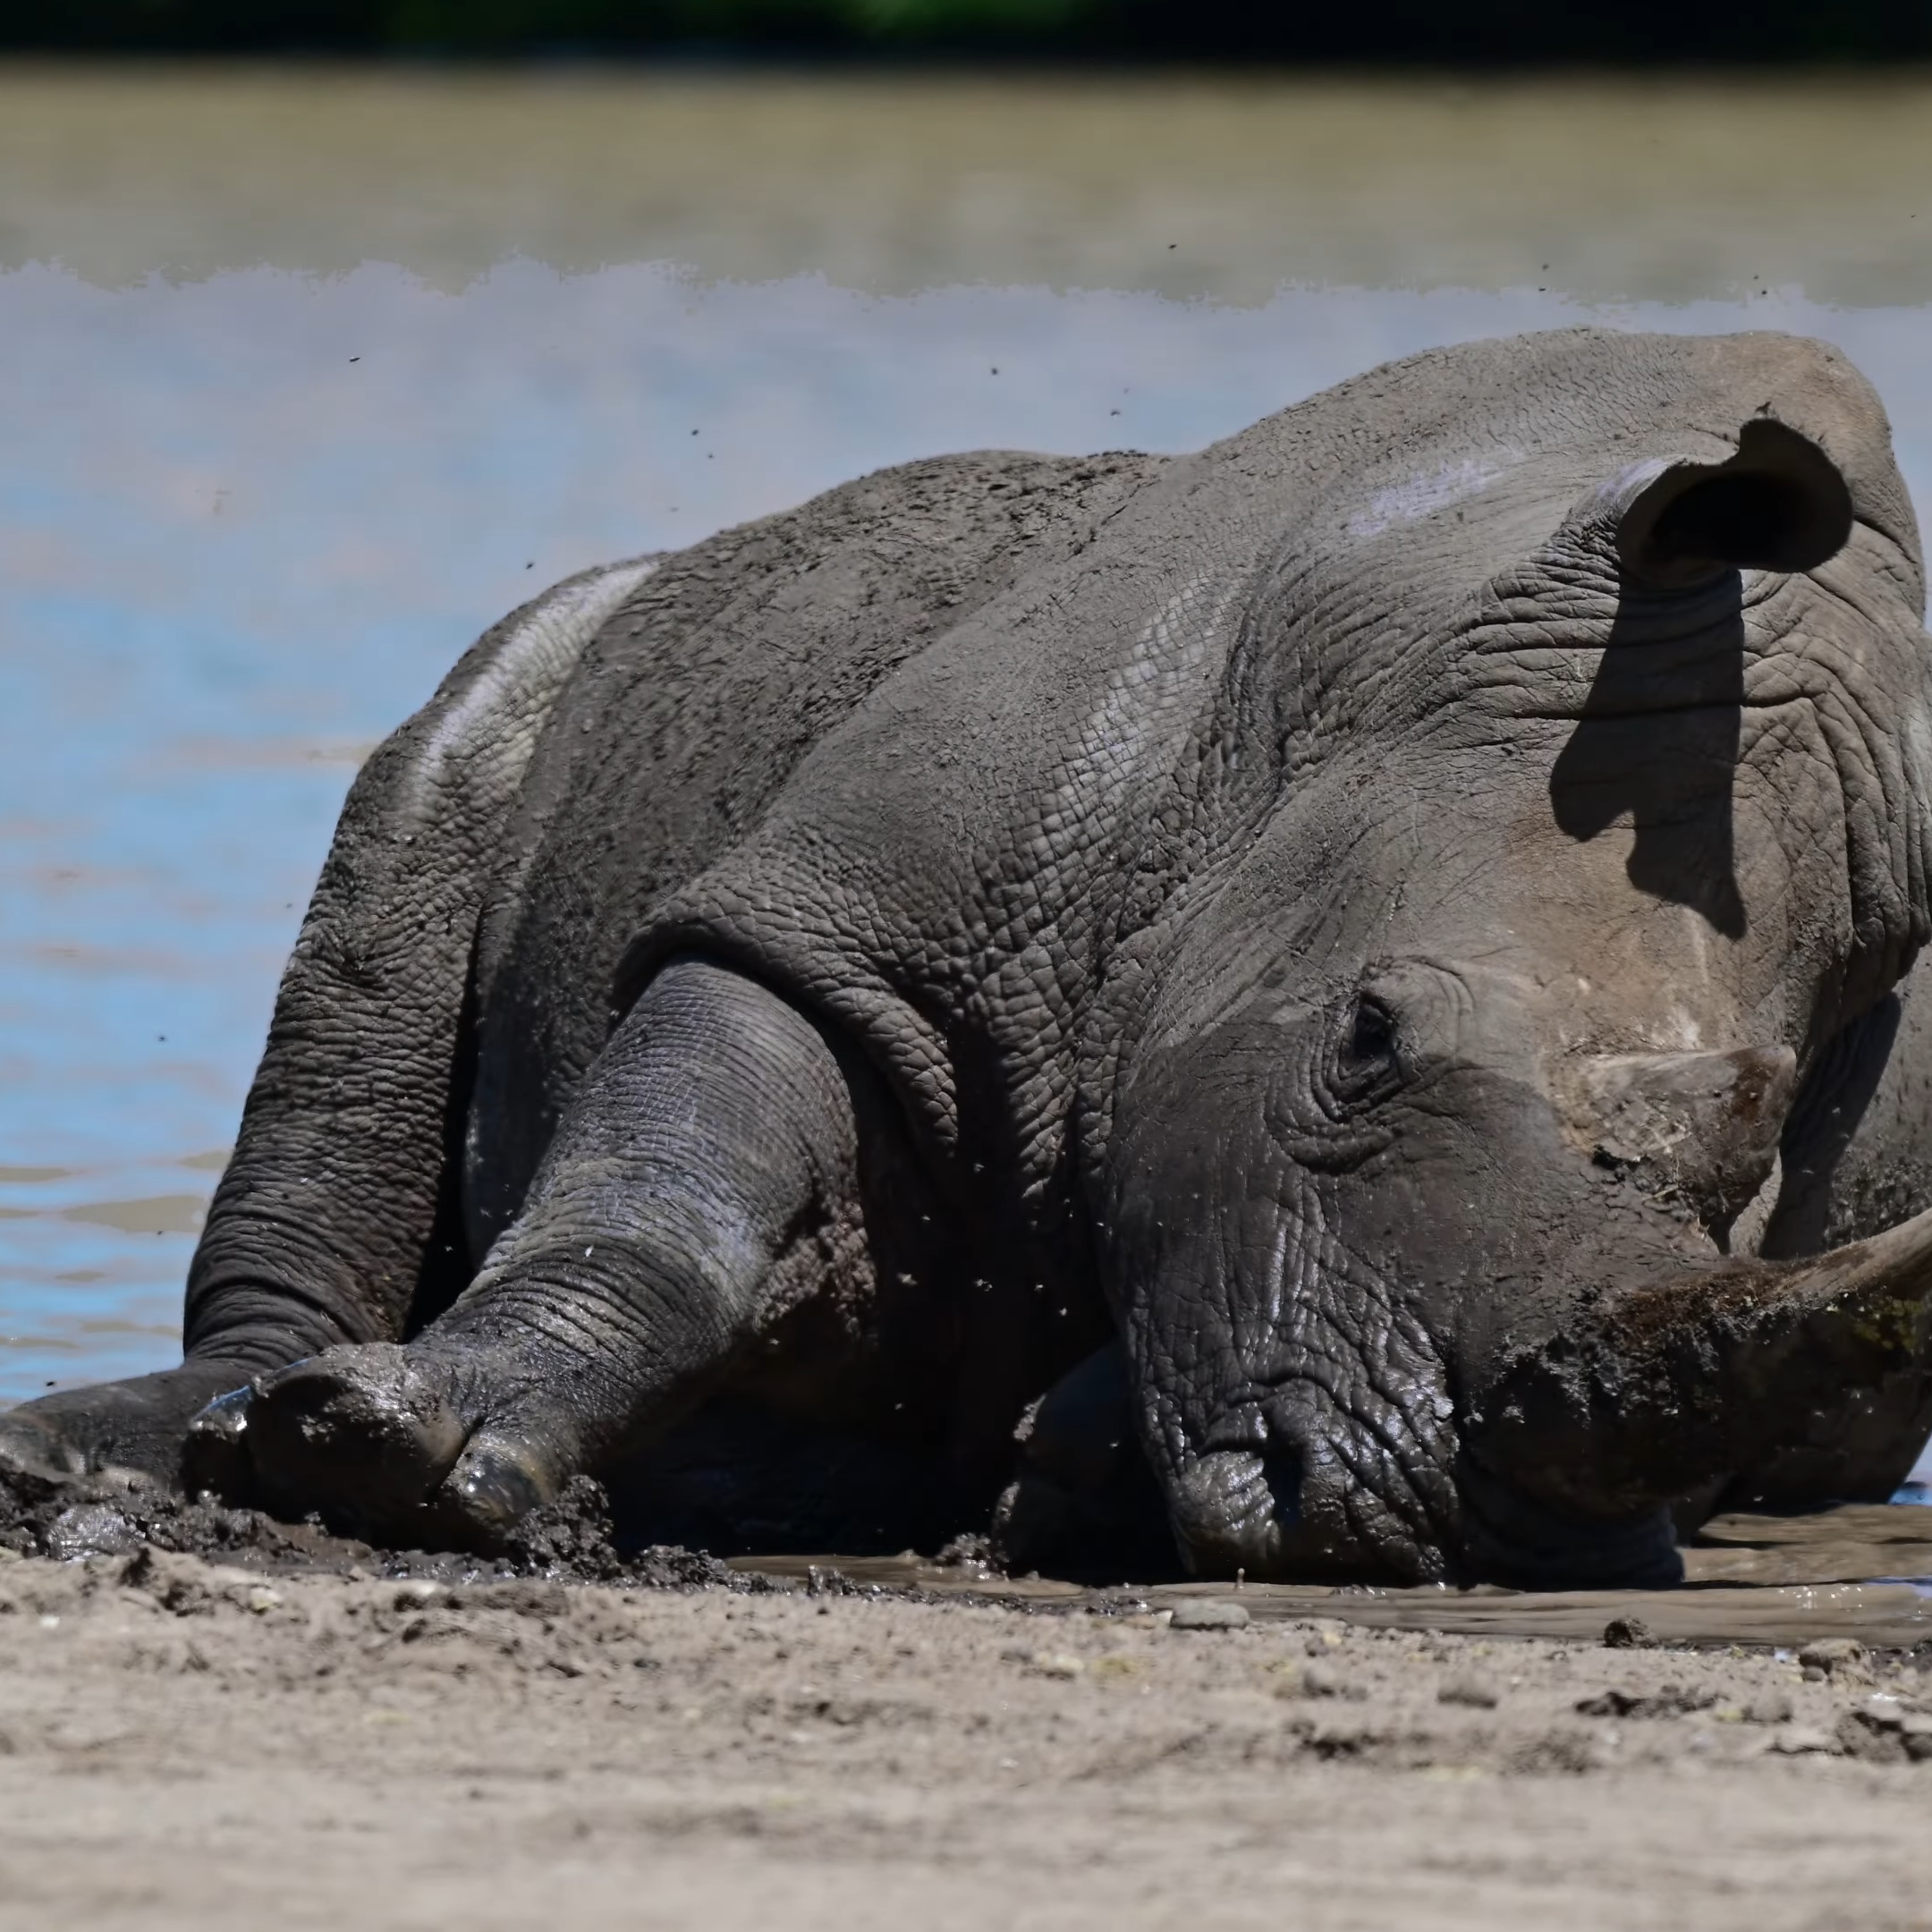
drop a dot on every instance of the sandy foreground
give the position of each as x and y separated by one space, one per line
185 1743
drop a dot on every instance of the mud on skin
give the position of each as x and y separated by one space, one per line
1340 1007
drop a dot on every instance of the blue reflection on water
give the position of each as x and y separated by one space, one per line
246 523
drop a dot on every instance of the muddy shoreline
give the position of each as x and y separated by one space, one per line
216 1743
209 1719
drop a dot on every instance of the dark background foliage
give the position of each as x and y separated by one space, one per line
1472 33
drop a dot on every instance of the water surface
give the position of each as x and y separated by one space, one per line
309 375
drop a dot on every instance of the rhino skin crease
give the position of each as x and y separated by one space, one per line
1336 1007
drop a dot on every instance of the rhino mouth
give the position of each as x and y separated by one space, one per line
1232 1512
1235 1513
1286 1490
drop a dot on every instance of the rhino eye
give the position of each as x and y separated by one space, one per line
1362 1063
1372 1031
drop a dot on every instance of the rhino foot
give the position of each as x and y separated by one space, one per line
404 1446
1083 1500
34 1456
139 1424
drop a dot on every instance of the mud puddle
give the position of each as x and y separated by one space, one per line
1853 1572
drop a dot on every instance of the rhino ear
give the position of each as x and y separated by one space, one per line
1779 505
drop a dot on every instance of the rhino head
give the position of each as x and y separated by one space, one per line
1564 797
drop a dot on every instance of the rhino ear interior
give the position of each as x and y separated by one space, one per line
1779 505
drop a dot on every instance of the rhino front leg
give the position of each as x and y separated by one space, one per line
709 1144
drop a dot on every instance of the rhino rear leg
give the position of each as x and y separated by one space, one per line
334 1211
671 1223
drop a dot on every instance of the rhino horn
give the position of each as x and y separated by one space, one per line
1658 1389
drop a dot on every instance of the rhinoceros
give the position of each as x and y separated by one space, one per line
1360 974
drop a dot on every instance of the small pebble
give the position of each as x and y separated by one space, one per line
1316 1681
1626 1634
1056 1663
1770 1708
1209 1613
1884 1731
1795 1740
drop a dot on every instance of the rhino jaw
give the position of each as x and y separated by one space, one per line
1574 1444
1283 1508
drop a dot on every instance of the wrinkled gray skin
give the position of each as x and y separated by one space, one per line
1315 947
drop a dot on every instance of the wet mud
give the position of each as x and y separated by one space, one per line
120 1515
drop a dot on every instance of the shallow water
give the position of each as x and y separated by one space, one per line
1756 1579
310 376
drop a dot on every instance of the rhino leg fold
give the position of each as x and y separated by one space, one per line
713 1138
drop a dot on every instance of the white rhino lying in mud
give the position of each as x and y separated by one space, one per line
1366 962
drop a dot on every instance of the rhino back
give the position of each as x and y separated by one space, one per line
936 752
964 872
688 718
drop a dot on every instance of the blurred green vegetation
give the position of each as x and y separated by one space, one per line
1472 33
